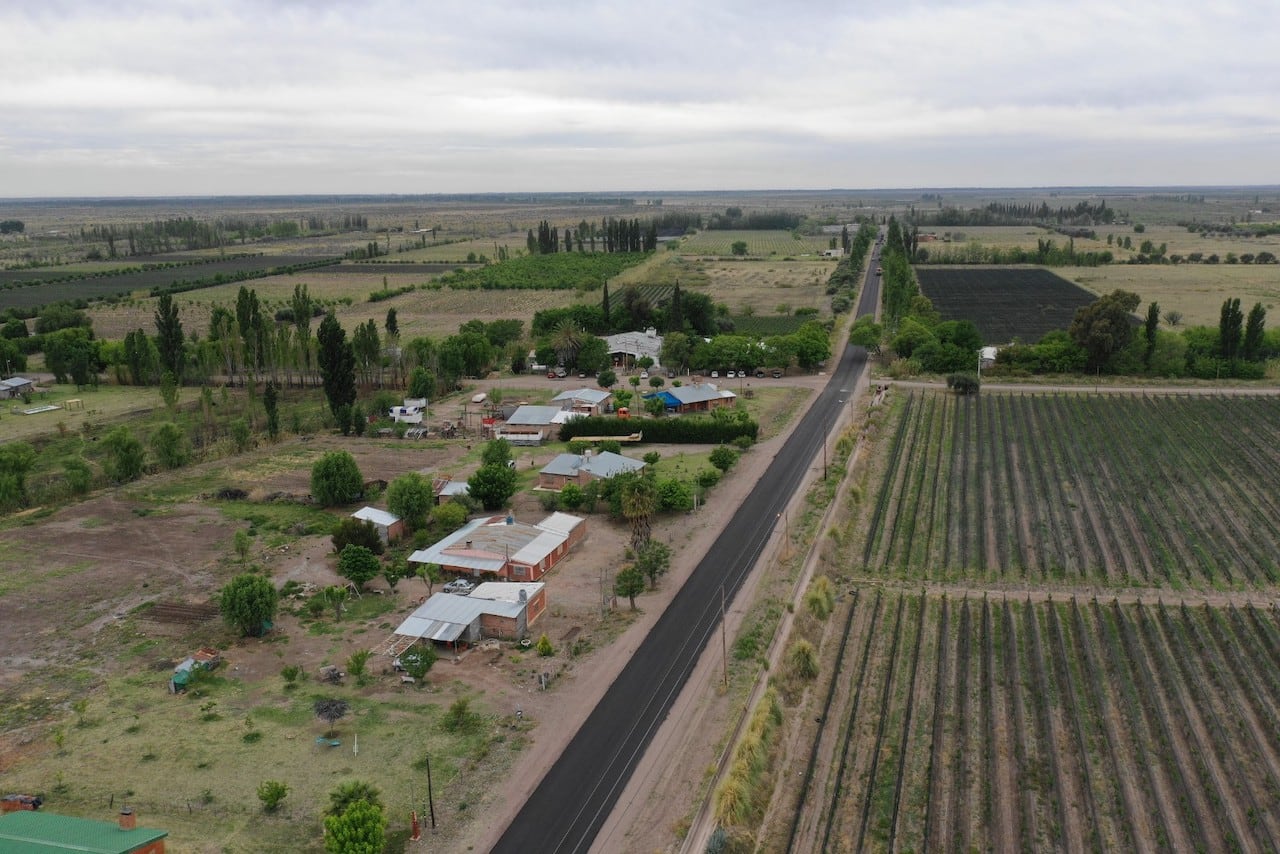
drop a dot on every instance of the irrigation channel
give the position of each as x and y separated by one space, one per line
572 801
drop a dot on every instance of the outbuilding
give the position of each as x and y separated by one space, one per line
389 526
583 468
27 832
500 548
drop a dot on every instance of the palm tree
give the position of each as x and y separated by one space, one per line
639 501
566 341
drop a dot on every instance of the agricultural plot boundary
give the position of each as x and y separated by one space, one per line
1005 303
155 280
1012 724
1126 491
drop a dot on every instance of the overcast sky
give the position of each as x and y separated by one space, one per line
239 97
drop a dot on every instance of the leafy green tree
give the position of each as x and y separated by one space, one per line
171 445
272 793
629 582
335 597
723 457
655 406
331 710
422 383
460 717
360 532
335 479
431 575
963 383
653 560
15 327
493 486
496 453
739 247
16 461
593 355
169 335
337 364
358 565
392 324
1102 328
169 391
411 498
125 458
271 402
73 353
606 378
674 496
448 516
248 602
141 357
418 660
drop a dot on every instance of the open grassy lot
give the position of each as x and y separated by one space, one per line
760 287
1196 290
781 243
104 403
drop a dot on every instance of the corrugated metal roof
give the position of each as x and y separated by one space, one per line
698 393
539 547
445 616
607 464
593 396
506 591
376 516
26 832
561 522
534 416
564 465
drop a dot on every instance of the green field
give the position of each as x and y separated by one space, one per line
1000 723
1122 490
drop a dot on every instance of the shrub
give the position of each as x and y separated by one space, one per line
963 383
571 496
804 659
723 457
271 793
359 532
335 479
544 647
417 661
460 717
820 600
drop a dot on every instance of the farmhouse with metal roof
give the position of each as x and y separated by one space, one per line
28 832
584 468
500 548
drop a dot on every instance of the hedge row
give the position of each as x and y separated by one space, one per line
686 430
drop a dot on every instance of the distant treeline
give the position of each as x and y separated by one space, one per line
1046 253
733 219
1004 213
612 235
187 233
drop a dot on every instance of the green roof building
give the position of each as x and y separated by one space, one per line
29 832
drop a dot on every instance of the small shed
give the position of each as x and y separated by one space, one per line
16 387
389 526
26 832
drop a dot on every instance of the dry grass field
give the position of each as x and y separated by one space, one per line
1196 290
759 287
759 243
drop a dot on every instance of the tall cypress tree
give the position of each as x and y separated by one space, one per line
337 364
169 336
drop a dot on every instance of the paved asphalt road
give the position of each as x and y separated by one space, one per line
565 812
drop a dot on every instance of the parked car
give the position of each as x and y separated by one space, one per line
715 375
644 375
760 373
459 586
777 374
561 373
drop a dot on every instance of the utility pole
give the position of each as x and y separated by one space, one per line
724 639
431 801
